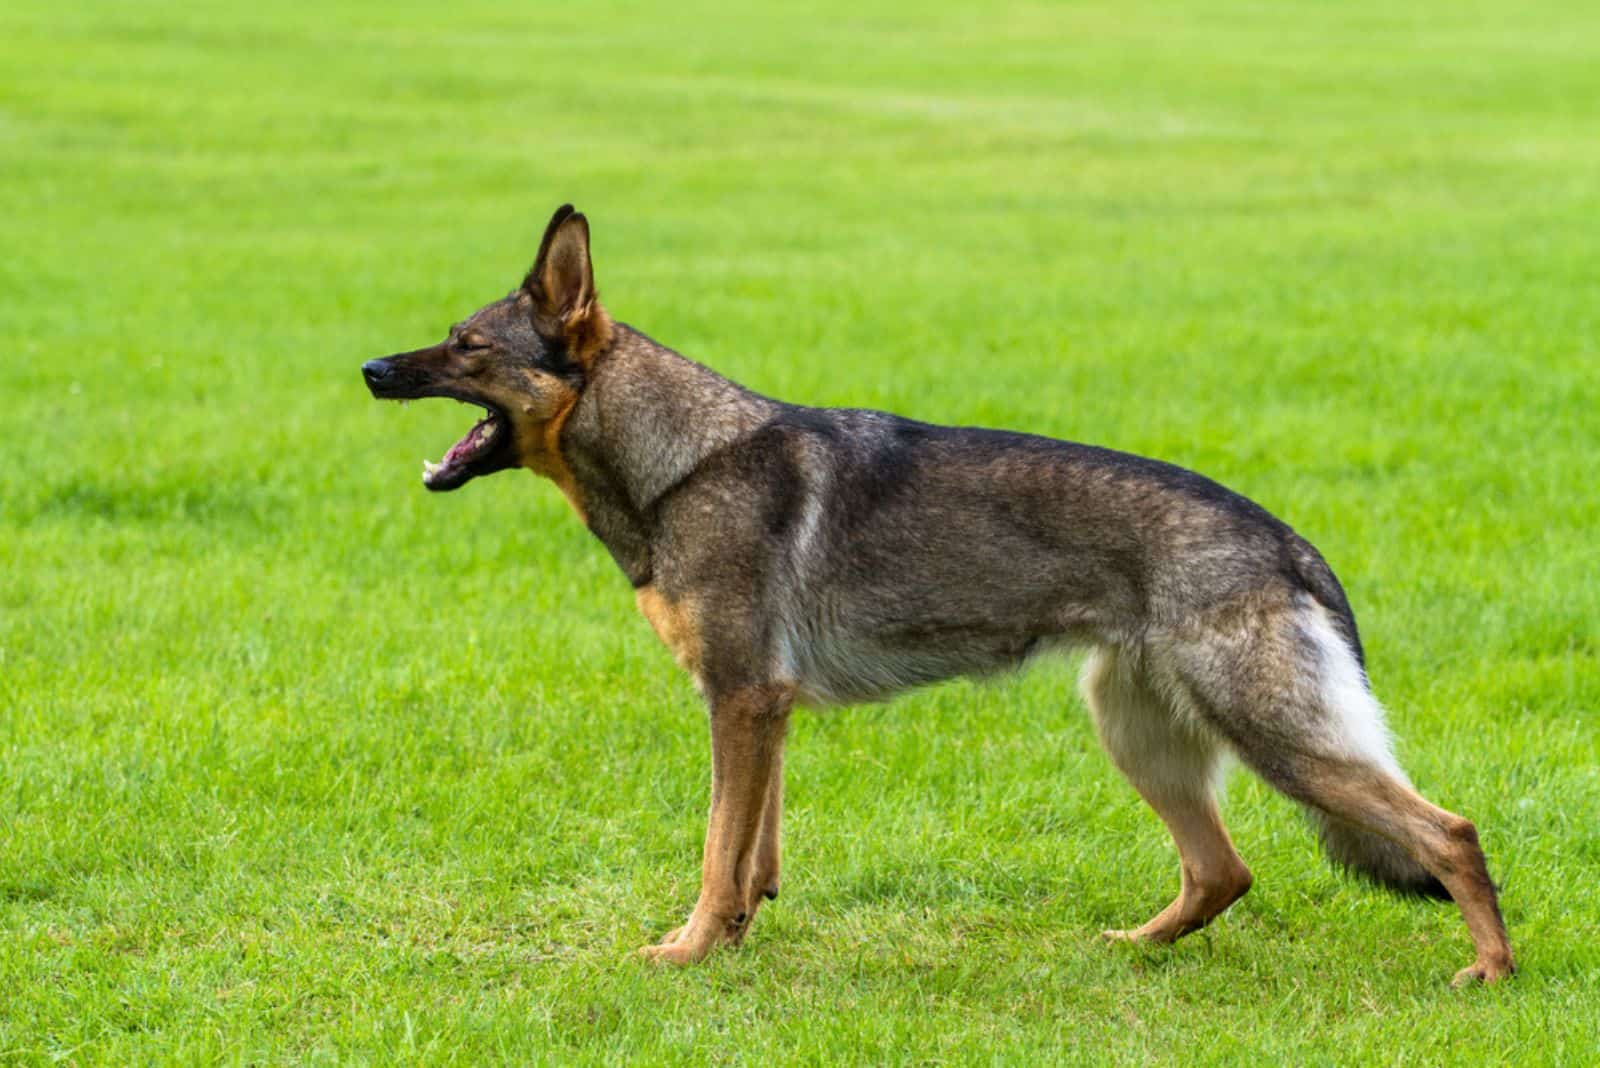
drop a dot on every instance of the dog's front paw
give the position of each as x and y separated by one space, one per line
695 939
1147 933
674 953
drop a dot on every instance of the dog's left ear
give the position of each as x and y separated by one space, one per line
561 286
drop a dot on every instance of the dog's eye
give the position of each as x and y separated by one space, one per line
472 344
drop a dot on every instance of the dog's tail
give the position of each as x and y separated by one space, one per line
1360 722
1375 859
1360 718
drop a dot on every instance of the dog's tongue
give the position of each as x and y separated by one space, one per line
475 439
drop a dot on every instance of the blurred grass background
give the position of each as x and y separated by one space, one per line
299 763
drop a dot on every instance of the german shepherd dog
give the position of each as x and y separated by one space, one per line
790 555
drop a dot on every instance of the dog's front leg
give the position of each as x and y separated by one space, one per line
740 862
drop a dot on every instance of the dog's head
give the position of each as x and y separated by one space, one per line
523 360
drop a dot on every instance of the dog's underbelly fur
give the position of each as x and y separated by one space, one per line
838 665
835 672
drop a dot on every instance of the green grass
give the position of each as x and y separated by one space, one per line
299 763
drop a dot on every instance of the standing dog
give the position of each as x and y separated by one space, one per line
788 554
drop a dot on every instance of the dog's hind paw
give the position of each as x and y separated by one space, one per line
1484 971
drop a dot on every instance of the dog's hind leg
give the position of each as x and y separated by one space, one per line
1173 764
1288 693
1361 796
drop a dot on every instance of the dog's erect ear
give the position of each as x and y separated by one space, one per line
535 276
561 285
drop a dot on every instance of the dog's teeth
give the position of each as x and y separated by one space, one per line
428 469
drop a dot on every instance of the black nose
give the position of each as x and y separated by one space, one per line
376 371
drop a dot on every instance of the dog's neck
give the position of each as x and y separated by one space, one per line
646 419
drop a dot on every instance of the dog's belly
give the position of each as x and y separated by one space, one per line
836 669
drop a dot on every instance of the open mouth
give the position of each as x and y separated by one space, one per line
486 448
479 452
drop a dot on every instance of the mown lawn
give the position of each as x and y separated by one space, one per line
300 763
